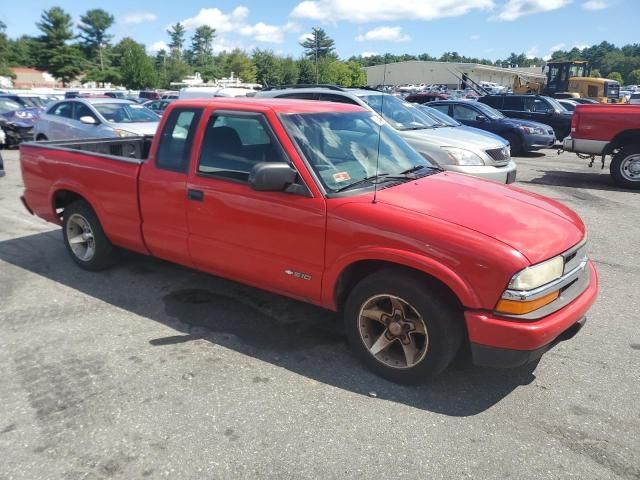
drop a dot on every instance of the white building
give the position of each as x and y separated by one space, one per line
446 73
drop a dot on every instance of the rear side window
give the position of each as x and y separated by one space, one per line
513 103
300 95
330 97
174 148
441 108
495 102
234 143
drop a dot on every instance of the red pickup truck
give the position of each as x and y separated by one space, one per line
609 129
320 202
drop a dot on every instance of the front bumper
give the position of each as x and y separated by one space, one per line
535 142
506 174
503 342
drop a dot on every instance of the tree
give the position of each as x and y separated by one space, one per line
634 77
269 68
357 74
241 65
202 46
23 52
176 34
4 53
290 71
94 37
318 47
307 71
615 76
61 60
135 66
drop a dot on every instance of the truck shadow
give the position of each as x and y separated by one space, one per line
290 334
589 180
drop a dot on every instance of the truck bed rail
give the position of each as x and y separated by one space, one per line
130 148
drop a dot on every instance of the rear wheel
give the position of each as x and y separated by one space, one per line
41 138
514 141
400 328
625 167
84 238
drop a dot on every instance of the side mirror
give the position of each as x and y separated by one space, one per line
481 118
271 176
88 120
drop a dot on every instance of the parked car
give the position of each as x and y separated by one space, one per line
538 108
522 135
463 152
95 118
27 101
569 105
585 101
325 203
157 106
425 97
16 122
607 129
149 95
634 99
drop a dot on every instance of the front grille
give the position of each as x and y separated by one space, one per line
500 155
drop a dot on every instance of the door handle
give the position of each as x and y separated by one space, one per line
196 195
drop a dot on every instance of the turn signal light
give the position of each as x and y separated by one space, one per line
514 307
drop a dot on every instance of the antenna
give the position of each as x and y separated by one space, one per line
375 182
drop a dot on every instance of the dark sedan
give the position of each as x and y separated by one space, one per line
535 108
522 135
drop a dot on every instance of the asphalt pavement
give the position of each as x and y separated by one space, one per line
151 370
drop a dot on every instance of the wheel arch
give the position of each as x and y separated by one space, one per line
344 277
64 195
627 137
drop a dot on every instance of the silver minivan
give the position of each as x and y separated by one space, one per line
95 118
463 151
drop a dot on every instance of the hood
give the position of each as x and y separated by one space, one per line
536 226
142 128
516 122
454 137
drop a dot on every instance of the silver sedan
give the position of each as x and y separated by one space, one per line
81 118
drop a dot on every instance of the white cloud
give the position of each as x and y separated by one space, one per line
304 37
595 5
474 37
532 52
581 46
236 22
157 46
368 54
385 10
385 34
140 17
514 9
558 46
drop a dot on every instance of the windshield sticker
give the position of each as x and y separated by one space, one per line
341 177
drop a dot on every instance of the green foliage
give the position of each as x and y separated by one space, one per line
23 52
269 67
320 45
176 34
615 76
634 77
202 46
66 63
241 65
290 71
135 66
307 71
595 73
63 61
93 27
4 53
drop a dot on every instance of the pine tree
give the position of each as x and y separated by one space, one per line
59 59
319 45
94 38
135 66
176 34
202 46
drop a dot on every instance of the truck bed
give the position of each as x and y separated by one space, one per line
128 148
103 171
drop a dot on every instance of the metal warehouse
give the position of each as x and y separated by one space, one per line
446 73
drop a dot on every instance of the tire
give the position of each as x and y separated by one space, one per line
41 138
625 167
430 352
515 142
84 238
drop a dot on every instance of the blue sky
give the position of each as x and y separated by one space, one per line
481 28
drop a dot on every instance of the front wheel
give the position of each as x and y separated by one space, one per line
514 142
84 238
400 328
625 167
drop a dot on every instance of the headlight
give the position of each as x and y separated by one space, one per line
460 156
532 130
538 275
22 114
124 133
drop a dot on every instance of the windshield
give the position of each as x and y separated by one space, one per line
7 105
342 147
400 114
125 113
442 118
32 101
490 112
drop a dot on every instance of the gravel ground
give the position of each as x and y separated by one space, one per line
152 370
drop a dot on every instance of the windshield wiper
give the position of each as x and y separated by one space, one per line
413 169
380 176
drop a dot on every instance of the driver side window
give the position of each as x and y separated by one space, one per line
464 113
83 111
